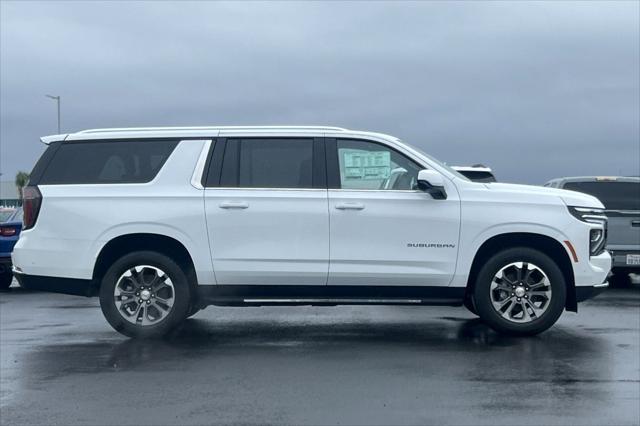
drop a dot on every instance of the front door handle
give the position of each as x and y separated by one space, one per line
234 205
349 206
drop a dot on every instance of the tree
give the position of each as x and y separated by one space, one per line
22 179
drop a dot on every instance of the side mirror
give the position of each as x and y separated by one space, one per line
432 183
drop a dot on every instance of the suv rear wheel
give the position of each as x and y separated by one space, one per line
145 294
520 291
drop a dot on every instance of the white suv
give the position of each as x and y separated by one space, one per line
161 222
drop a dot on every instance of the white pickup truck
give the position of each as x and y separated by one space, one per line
161 222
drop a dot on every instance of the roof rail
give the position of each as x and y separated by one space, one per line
155 129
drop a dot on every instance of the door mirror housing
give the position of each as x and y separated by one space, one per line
432 183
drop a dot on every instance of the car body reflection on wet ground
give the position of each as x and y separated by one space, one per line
62 364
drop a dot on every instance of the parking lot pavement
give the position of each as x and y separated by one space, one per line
62 364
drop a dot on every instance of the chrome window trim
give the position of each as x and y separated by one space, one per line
236 188
412 191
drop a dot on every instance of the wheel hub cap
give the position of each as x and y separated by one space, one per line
520 292
145 295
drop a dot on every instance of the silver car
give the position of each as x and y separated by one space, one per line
621 197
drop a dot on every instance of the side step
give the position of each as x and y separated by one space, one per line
258 295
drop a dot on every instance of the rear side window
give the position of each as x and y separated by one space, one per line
268 163
105 162
614 195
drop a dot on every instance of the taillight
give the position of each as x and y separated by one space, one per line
7 231
31 201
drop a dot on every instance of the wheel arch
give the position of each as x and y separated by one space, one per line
128 243
543 243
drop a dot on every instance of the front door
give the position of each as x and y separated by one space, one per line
384 231
266 212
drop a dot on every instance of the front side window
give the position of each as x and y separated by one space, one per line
369 165
97 162
268 163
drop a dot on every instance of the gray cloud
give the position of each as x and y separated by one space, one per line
535 90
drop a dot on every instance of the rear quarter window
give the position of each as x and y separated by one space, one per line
104 162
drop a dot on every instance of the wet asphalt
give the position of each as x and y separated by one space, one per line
62 364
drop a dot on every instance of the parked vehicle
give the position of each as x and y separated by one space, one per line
6 213
476 173
161 222
10 229
621 198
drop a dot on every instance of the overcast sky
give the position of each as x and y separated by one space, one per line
535 90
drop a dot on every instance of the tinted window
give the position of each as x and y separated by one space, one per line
107 162
614 195
268 163
368 165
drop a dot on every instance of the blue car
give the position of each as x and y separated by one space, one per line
10 227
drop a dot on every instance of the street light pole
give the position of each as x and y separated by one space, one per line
57 99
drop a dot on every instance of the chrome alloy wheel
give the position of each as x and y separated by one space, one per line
144 295
520 292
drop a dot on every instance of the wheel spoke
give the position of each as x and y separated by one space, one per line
543 293
507 313
505 302
525 311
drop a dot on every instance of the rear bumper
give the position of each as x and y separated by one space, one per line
71 286
588 292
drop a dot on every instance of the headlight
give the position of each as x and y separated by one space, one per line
597 241
589 214
597 236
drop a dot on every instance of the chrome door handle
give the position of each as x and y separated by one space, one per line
349 206
234 205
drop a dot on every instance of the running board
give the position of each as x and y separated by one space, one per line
337 301
287 295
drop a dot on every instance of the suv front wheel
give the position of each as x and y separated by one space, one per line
145 294
520 291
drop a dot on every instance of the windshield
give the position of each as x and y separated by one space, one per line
614 195
441 164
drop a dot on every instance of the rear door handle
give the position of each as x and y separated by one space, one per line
234 205
349 206
635 223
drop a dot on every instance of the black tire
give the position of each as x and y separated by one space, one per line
469 303
482 292
181 294
5 279
193 310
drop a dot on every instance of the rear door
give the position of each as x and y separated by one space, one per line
384 231
266 210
